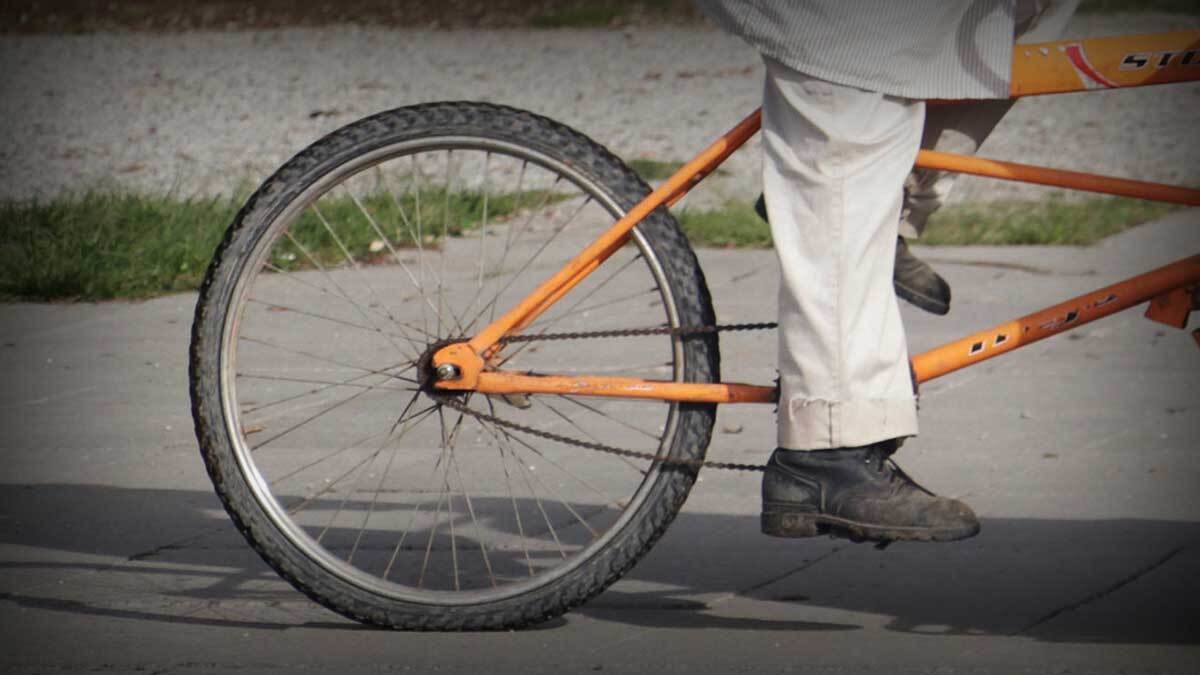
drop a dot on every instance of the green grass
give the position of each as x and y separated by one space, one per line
105 246
99 246
734 225
1051 222
654 169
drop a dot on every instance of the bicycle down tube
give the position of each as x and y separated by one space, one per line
1045 68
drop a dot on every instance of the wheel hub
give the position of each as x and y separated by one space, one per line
428 375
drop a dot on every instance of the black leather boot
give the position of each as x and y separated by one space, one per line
913 279
858 494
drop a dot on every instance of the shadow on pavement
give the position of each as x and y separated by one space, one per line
1114 581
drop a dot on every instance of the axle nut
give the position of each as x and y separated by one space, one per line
448 371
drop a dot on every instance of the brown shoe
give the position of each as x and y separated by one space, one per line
857 494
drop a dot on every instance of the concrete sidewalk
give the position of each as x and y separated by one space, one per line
1079 453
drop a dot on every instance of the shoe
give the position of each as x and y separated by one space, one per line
916 282
913 279
857 494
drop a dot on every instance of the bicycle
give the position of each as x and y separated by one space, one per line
429 461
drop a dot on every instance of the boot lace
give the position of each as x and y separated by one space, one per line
879 459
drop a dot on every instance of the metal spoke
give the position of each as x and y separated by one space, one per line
280 378
412 519
429 544
512 498
416 184
275 306
487 163
369 371
497 433
383 477
557 495
310 392
290 276
490 305
475 521
388 244
613 418
416 237
600 493
297 507
573 311
358 268
279 479
449 443
545 327
585 432
333 281
307 420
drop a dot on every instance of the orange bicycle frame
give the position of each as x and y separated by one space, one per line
1045 68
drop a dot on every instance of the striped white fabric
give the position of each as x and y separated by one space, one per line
910 48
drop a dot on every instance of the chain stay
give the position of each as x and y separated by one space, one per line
682 331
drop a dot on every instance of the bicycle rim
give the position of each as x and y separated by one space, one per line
350 284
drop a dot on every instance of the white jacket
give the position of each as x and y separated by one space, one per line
910 48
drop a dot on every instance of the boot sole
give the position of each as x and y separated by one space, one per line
931 305
794 525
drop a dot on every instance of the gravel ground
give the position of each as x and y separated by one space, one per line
205 113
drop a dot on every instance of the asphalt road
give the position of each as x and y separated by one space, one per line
1079 453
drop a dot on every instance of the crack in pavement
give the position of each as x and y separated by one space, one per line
142 556
779 577
1104 592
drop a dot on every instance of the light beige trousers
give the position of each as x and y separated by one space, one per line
834 160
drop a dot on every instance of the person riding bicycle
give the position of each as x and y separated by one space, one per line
843 118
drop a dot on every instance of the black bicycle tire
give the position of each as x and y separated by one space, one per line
663 236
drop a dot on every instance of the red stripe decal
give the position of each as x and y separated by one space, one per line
1079 60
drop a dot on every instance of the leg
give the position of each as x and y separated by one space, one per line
835 159
960 128
949 127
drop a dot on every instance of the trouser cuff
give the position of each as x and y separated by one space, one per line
814 424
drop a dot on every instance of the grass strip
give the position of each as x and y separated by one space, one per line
654 169
733 225
99 246
1055 221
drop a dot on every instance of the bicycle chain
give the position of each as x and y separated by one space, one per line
682 331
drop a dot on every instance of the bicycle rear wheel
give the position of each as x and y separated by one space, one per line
309 356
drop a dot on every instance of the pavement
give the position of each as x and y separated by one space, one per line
1079 453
